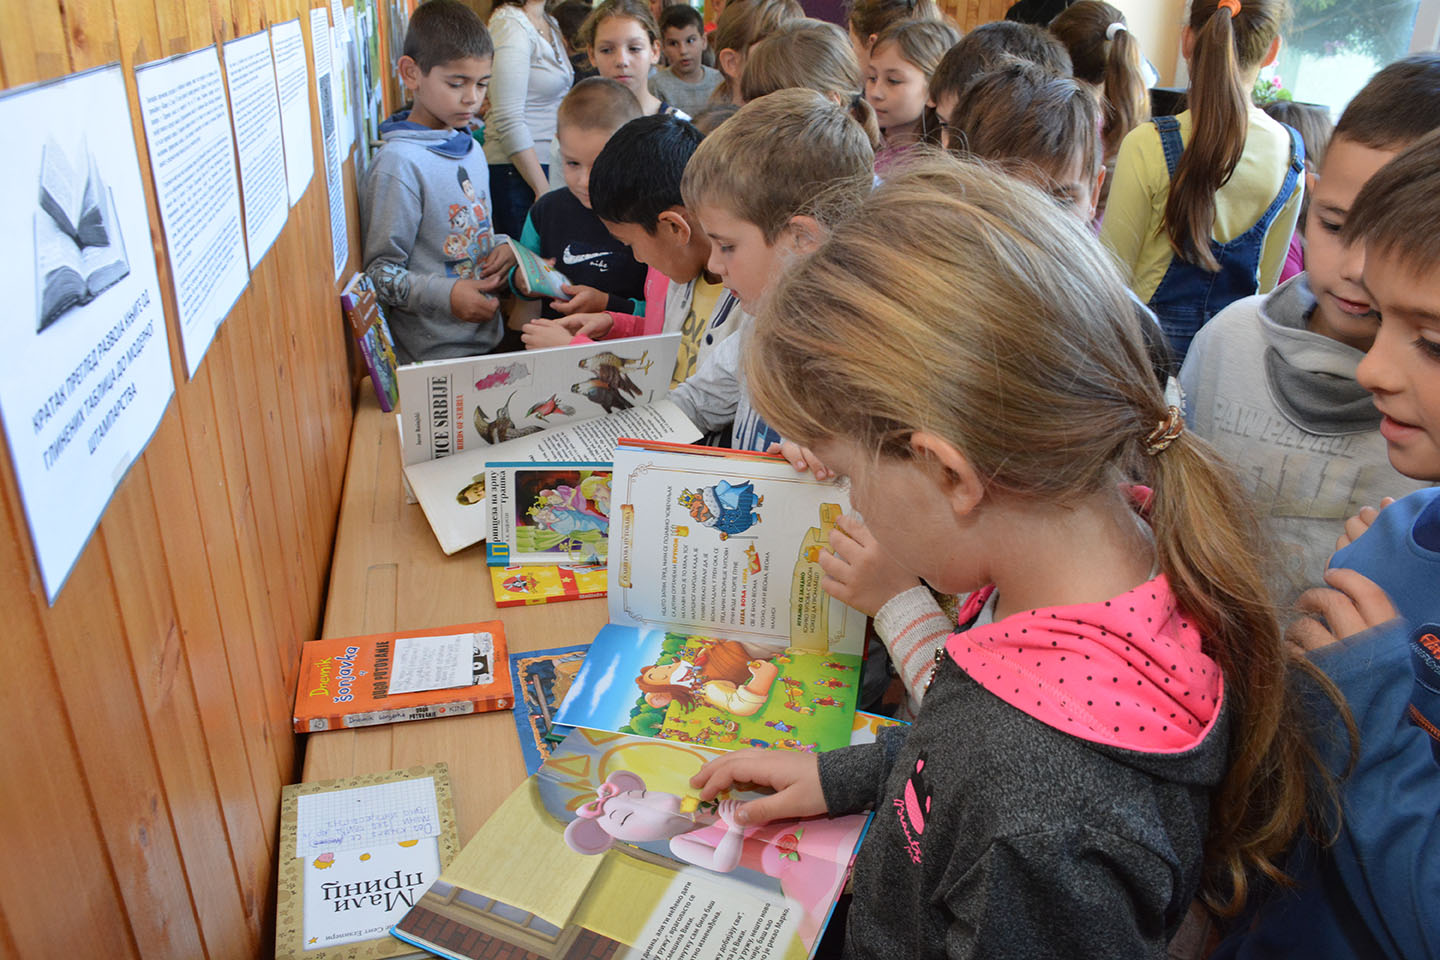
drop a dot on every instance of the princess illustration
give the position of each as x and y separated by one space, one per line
727 507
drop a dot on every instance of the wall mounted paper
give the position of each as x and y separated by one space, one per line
87 360
255 110
292 77
192 157
325 93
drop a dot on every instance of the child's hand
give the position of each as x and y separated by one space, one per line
1359 523
583 299
500 260
544 332
802 459
470 302
858 573
795 777
592 325
1355 604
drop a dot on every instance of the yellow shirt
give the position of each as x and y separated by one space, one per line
1136 208
693 304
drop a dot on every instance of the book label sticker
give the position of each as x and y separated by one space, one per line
436 663
350 819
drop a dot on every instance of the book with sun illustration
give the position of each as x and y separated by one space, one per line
355 856
608 852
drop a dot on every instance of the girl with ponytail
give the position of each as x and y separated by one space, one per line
1112 731
1203 205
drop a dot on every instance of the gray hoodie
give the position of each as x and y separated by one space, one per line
425 213
1282 404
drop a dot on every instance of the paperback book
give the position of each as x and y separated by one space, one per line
543 512
372 338
542 679
516 586
537 276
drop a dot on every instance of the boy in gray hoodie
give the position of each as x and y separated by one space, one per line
1271 380
425 205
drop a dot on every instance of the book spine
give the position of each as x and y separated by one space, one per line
497 554
536 601
457 708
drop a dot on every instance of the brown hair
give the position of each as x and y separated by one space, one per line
1398 106
978 287
1312 122
987 46
1109 60
1226 46
597 103
444 30
1395 213
816 55
750 165
746 22
922 44
869 18
636 10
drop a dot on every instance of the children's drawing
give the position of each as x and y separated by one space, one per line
500 376
501 428
473 492
726 507
562 511
602 394
546 408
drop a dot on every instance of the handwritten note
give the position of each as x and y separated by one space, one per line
435 663
346 819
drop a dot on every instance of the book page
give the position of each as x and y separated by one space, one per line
292 78
255 110
349 819
62 187
192 155
329 135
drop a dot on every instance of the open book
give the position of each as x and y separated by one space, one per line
537 276
79 251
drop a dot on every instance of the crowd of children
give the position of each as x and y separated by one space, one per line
1150 528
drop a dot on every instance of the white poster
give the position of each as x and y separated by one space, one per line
334 183
88 362
192 157
255 110
340 84
293 79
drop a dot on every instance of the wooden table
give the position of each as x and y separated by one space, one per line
388 573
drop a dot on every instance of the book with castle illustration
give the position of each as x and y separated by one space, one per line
355 856
719 631
607 852
544 512
79 251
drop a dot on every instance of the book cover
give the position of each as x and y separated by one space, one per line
469 403
451 490
79 251
538 277
542 679
372 337
607 847
516 586
355 856
543 512
394 677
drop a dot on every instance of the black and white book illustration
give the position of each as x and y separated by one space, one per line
79 251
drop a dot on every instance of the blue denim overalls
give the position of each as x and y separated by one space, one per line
1189 295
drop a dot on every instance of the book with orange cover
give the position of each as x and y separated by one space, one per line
393 677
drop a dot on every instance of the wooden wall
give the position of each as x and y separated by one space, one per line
971 13
147 728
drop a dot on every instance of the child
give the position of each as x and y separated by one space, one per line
869 18
1314 125
1271 380
686 82
1370 894
743 24
1203 204
1090 753
808 53
624 44
571 16
762 203
984 48
562 227
897 84
426 199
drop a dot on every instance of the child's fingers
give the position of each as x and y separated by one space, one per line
721 772
1309 634
792 803
1337 610
1372 603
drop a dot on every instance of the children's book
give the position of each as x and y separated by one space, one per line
543 512
355 856
541 279
451 490
607 847
392 677
542 678
516 586
449 406
79 251
372 336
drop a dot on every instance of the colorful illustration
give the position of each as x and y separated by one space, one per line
473 492
527 585
602 394
501 428
752 560
325 861
500 376
470 239
562 511
541 679
611 368
546 408
727 507
522 583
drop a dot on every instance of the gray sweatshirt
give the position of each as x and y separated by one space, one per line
714 396
425 215
1282 404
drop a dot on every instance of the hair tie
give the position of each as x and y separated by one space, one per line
1166 432
1232 5
1113 29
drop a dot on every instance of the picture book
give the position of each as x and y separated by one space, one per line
541 679
392 677
607 847
451 490
543 512
372 337
537 276
450 406
355 856
516 586
725 694
79 251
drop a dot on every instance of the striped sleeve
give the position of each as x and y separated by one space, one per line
912 626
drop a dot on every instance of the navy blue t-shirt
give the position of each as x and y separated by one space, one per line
560 226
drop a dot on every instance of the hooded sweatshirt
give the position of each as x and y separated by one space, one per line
426 218
1051 798
1282 404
